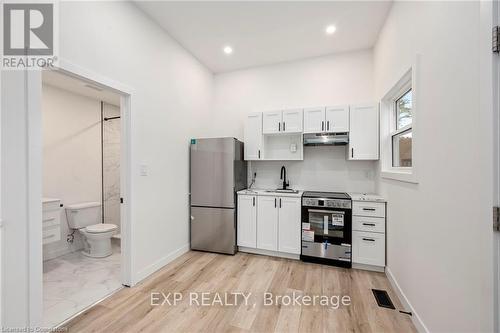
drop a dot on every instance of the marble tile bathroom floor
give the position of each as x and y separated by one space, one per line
73 282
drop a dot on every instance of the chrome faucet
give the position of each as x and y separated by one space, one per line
283 177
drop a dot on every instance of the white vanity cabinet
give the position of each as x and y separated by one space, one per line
368 233
364 133
51 220
269 223
330 119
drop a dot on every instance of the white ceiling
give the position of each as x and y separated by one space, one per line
267 32
80 87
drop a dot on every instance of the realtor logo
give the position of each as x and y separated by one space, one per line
28 29
28 35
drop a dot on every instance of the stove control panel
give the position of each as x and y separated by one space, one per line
326 203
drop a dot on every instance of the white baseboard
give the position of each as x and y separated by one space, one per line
147 271
365 267
417 321
269 253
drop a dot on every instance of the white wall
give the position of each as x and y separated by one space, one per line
170 104
345 78
439 231
71 156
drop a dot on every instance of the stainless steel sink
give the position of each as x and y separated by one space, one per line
282 191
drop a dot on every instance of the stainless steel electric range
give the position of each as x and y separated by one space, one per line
327 228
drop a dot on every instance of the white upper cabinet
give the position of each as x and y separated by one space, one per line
337 119
272 122
253 137
292 121
364 133
289 240
247 221
314 120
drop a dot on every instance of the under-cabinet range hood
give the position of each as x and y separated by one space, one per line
326 139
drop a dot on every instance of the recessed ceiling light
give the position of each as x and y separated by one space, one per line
228 50
330 29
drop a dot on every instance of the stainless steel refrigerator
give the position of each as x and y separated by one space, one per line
217 172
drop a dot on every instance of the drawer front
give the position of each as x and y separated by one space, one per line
362 208
51 218
369 224
368 248
51 234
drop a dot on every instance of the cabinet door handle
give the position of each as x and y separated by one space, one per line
322 125
259 154
352 152
279 127
369 209
369 239
370 224
283 126
275 203
280 202
328 125
253 201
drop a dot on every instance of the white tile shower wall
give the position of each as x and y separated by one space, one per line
111 165
323 169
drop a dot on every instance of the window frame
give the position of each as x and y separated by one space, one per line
388 123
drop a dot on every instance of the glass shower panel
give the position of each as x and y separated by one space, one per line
111 164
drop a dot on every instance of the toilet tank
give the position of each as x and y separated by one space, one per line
81 215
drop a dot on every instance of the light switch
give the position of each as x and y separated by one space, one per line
293 148
144 169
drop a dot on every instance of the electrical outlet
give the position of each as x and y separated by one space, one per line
144 170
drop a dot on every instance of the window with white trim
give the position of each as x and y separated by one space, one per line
398 128
401 136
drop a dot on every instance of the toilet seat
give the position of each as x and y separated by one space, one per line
100 228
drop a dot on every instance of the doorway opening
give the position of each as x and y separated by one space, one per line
82 194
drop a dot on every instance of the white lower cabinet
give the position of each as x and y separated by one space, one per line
368 234
270 223
267 223
368 248
247 221
289 226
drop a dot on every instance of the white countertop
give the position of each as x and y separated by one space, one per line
372 197
257 191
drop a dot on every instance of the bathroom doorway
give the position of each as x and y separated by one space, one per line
82 195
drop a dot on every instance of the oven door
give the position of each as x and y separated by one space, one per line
329 225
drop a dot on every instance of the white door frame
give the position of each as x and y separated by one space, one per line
494 16
21 234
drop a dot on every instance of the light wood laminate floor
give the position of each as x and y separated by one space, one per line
131 309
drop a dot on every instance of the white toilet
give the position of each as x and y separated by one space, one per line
85 217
